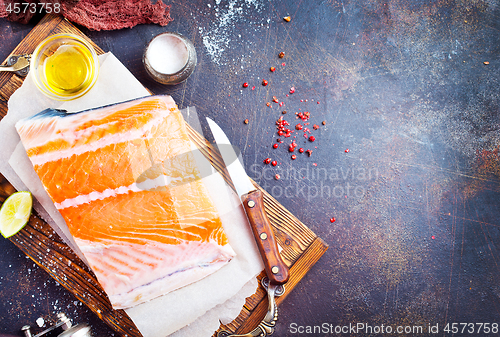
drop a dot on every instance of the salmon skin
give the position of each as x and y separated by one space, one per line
125 181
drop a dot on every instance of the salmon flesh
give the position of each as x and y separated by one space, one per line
126 182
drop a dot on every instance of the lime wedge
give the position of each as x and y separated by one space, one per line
15 213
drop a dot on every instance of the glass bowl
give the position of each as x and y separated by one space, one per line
64 66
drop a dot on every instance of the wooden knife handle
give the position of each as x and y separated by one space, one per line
276 269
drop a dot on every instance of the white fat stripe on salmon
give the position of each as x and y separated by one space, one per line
85 199
167 231
39 131
111 139
159 183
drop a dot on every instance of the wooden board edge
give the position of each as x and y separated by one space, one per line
307 260
28 44
115 319
97 301
50 23
118 319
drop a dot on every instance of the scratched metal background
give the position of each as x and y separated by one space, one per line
404 86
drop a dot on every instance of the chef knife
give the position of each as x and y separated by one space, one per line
253 203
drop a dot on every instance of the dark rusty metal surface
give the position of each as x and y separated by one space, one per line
411 88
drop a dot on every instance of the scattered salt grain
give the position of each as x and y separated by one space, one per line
219 36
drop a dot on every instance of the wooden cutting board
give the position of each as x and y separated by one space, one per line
301 247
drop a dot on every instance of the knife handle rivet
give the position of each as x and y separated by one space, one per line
263 236
251 203
275 270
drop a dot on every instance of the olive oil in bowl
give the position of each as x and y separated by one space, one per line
69 69
65 67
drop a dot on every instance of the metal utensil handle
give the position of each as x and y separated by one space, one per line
7 68
12 60
266 326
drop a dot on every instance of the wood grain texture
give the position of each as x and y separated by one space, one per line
256 306
301 247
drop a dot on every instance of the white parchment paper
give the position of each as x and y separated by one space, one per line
194 310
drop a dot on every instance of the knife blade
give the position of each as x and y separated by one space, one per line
253 204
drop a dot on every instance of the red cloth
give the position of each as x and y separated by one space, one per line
100 14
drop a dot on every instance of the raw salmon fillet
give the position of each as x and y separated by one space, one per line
126 182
